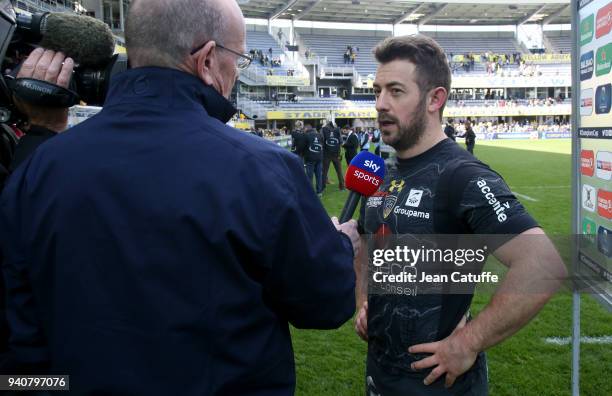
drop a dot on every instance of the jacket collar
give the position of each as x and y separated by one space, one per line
169 88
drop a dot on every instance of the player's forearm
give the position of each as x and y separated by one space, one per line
505 315
527 287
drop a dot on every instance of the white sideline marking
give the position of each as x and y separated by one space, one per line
583 340
527 197
543 187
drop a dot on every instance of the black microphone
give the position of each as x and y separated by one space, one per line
88 41
363 178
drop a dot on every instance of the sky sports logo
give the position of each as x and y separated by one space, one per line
586 102
586 66
604 21
365 173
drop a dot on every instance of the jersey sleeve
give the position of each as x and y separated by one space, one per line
486 205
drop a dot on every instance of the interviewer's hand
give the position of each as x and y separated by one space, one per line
350 229
55 68
361 322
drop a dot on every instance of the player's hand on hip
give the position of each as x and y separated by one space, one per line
350 229
452 356
361 322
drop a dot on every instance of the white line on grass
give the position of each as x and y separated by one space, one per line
527 197
583 340
545 187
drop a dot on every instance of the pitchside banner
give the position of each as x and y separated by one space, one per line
594 147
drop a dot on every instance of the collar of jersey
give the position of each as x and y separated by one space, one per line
405 162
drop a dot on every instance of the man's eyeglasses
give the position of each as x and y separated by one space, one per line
242 62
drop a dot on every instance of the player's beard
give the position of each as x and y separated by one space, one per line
408 135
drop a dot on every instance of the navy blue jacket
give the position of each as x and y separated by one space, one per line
153 250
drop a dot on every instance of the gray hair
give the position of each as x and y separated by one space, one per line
163 32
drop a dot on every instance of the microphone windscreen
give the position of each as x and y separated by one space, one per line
87 40
365 173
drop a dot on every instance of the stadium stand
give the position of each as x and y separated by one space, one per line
263 41
34 6
333 46
561 41
476 44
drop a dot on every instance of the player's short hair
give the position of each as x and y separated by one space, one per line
429 58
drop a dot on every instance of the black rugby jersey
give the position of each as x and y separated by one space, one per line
444 190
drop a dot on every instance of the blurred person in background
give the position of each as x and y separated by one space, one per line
331 153
351 145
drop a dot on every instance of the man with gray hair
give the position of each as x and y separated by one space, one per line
154 250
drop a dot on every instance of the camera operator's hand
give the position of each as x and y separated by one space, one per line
54 68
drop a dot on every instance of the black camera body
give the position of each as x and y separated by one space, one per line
88 41
19 35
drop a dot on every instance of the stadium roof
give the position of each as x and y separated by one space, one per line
432 12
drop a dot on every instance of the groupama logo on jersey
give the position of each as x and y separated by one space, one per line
365 174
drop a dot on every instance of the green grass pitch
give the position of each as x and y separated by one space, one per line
332 362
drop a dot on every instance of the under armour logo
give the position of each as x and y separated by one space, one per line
397 185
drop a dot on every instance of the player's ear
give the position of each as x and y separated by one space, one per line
437 100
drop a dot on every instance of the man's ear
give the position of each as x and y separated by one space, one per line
437 100
206 62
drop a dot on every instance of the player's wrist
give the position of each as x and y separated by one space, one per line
471 339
